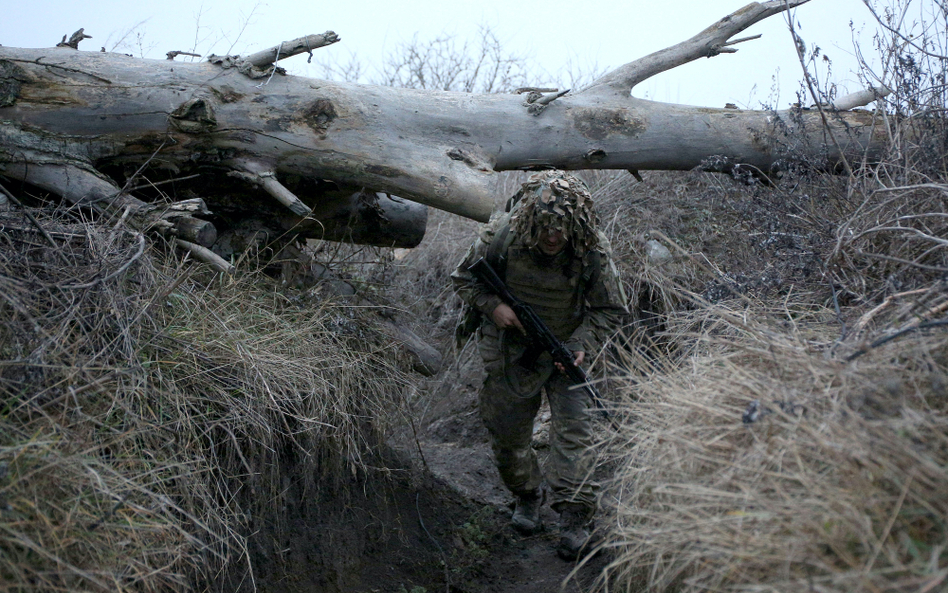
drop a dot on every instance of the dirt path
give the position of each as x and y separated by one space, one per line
431 516
455 448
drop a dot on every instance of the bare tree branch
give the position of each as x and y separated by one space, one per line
74 39
288 49
714 40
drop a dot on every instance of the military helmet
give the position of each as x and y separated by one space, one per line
555 200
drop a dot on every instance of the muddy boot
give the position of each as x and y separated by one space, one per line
526 516
574 532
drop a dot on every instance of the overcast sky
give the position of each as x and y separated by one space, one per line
551 34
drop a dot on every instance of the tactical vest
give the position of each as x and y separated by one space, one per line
553 288
497 256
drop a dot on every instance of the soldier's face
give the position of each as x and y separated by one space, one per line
552 241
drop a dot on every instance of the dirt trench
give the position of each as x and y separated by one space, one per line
435 519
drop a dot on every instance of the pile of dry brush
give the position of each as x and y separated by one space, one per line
770 457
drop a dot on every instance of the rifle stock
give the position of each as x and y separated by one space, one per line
538 332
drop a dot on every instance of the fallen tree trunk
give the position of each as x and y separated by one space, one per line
302 148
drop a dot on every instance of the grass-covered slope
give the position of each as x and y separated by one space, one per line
148 408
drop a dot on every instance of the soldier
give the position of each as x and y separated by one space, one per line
551 255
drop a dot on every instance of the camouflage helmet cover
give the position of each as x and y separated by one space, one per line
555 200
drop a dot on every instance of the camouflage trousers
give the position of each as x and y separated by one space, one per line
509 417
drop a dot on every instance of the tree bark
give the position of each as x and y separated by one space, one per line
66 116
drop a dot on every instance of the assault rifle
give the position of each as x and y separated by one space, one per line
541 336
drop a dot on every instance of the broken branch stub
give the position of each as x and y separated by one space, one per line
860 98
288 49
205 255
264 177
174 54
74 39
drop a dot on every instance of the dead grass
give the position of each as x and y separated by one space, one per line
838 486
151 410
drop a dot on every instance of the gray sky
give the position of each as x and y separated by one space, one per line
552 34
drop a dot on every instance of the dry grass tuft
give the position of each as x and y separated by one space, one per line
150 410
839 485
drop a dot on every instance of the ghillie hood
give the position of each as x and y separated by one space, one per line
555 200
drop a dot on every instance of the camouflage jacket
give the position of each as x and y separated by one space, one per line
603 303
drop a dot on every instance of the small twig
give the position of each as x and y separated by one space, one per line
865 319
897 334
125 189
900 260
173 54
166 181
36 223
936 580
161 296
414 432
444 559
879 229
54 234
891 523
95 525
839 317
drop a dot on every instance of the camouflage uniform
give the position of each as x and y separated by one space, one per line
581 316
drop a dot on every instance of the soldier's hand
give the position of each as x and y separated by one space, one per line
504 317
578 357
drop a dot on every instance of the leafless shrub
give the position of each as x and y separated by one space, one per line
449 63
894 240
444 63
